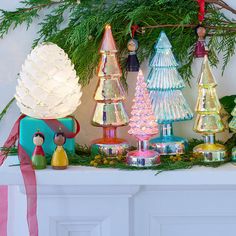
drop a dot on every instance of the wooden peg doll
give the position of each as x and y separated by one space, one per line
59 158
132 63
38 158
200 48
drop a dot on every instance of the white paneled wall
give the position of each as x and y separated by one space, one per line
17 44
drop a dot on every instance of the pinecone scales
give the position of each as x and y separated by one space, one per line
48 86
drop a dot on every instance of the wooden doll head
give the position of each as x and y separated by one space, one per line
38 139
132 45
59 139
201 32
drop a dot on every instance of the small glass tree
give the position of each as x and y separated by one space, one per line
169 105
143 126
109 111
208 120
232 126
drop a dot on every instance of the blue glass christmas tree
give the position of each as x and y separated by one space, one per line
169 105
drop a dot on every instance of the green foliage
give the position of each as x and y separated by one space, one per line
13 151
21 15
84 157
222 39
230 143
51 23
186 161
228 103
83 26
5 109
78 29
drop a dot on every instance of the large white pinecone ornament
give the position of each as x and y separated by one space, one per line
48 86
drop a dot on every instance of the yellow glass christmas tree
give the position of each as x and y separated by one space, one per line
208 121
109 111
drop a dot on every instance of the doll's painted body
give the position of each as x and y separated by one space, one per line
59 158
201 48
38 158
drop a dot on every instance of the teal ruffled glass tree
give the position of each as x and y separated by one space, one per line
169 105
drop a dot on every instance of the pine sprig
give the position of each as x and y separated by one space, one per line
221 40
15 19
4 111
82 31
51 23
21 15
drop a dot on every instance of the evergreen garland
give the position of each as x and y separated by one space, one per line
83 157
83 25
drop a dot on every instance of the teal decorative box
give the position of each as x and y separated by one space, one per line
28 126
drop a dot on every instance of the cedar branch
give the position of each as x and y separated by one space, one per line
220 3
232 29
39 7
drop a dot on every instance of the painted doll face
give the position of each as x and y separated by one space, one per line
59 139
132 45
201 32
38 140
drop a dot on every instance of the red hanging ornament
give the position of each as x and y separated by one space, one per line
201 13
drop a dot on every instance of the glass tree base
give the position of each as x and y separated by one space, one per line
234 154
169 145
211 152
146 158
110 149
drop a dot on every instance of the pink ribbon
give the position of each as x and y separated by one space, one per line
28 174
29 178
3 210
54 124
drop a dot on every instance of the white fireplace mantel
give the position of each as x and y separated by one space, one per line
86 201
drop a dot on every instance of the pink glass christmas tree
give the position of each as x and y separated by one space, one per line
143 126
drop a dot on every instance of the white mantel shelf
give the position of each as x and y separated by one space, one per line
87 201
81 175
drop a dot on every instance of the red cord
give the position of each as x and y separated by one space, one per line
134 28
201 12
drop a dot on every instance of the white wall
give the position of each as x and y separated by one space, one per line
15 46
